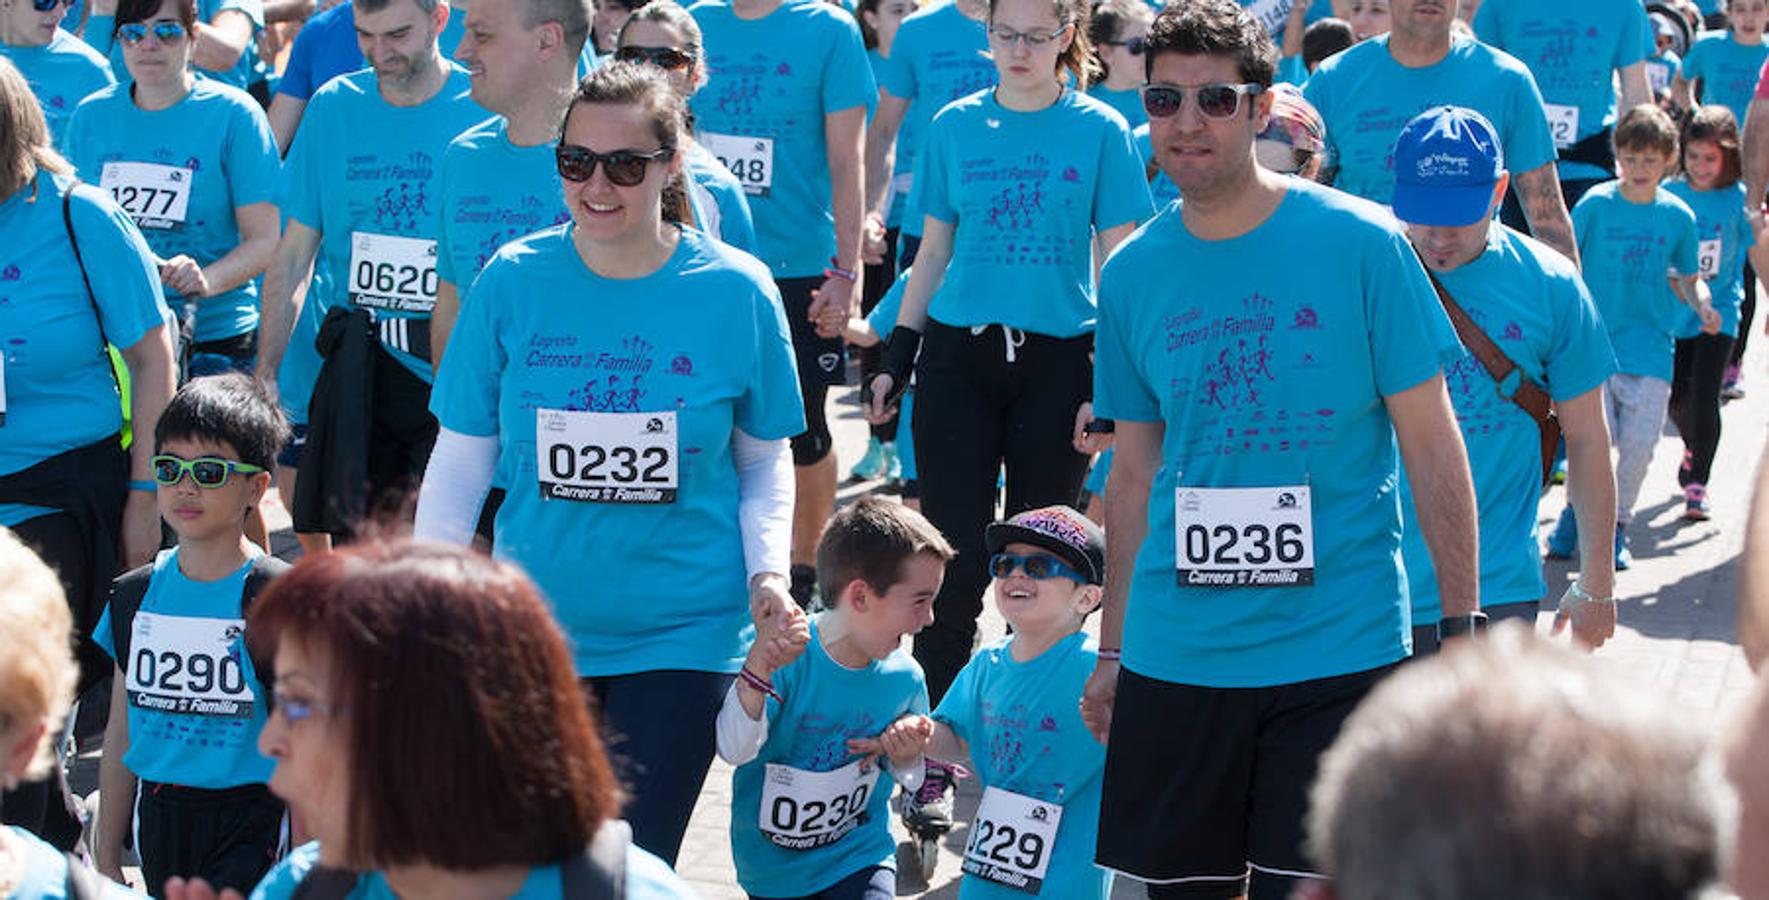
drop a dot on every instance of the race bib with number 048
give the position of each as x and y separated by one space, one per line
392 273
751 159
187 665
1707 255
802 810
1563 124
153 195
1244 537
598 457
1011 841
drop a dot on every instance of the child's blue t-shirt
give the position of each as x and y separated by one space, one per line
1661 69
772 82
720 207
940 55
562 365
1723 237
181 173
826 705
1728 70
1365 98
196 704
648 878
1266 376
1529 299
883 318
491 192
1625 252
1022 722
61 74
45 874
1027 192
1162 190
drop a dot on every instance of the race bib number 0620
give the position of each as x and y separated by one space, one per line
1244 537
393 273
1011 841
187 666
802 810
598 457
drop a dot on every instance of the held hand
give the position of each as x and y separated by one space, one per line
879 410
777 651
141 529
1593 621
872 242
1089 443
770 603
902 741
197 889
182 274
1097 698
1710 320
831 305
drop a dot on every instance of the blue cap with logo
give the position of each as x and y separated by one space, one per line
1446 161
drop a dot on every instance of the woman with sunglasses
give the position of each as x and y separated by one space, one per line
631 383
1024 186
61 69
193 163
1118 29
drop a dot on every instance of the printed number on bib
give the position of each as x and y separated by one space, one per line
598 457
188 666
1707 254
1563 124
1271 13
397 274
155 196
751 159
1244 537
1011 841
802 810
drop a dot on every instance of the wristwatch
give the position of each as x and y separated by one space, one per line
1461 626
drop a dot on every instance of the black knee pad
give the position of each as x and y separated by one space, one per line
809 448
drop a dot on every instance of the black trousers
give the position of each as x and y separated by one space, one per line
975 410
1695 401
228 838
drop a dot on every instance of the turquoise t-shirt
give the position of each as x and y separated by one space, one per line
1660 69
938 57
1625 251
195 701
1573 48
61 74
1266 376
59 390
180 173
826 705
1162 190
1723 235
491 192
345 185
1023 725
1128 103
1530 300
720 207
903 164
704 338
1365 98
1728 70
648 878
100 33
46 872
1026 192
772 82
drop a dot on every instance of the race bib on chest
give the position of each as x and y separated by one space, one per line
1011 841
153 195
1563 124
600 457
1659 74
187 666
1244 537
1707 256
397 274
751 159
802 810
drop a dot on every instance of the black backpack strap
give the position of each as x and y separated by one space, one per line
600 872
326 883
67 219
265 569
127 592
83 883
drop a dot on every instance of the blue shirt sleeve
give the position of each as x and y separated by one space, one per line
297 78
251 158
125 280
958 709
848 82
1529 142
737 226
1581 359
1685 252
1411 338
930 190
1119 391
1636 42
1123 194
301 182
467 386
897 74
773 406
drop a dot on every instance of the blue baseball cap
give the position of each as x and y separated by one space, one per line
1446 162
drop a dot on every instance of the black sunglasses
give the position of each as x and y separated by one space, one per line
1135 46
623 167
667 58
1215 101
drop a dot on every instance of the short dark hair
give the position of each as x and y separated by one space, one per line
230 409
131 11
1715 124
374 6
1214 28
449 671
1325 38
870 540
1646 127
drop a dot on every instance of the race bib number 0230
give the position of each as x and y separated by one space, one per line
188 666
153 195
802 810
1244 537
598 457
392 273
751 159
1011 841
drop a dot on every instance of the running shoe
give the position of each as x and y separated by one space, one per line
1731 386
1623 557
930 807
893 463
1695 503
873 464
1563 541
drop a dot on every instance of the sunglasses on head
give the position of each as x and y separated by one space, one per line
666 58
624 168
1215 101
1038 567
208 472
1135 46
164 32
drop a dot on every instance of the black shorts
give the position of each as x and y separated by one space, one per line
822 362
228 838
1203 784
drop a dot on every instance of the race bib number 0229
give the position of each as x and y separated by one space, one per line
188 666
1011 841
802 810
153 195
598 457
1244 537
751 159
392 273
1707 256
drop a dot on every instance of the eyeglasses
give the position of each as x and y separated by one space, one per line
1135 46
667 58
1033 39
1215 101
623 167
299 710
1038 567
208 472
47 5
164 32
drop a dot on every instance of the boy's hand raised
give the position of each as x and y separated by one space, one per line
784 641
902 741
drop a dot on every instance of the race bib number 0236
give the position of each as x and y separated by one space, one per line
392 273
802 810
188 666
598 457
751 159
153 195
1011 841
1244 537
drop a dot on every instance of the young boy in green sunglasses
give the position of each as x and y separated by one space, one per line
187 702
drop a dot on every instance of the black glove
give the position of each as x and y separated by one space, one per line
897 361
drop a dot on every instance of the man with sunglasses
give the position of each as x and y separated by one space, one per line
59 67
1366 94
1254 590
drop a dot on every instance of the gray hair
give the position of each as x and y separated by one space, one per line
573 17
1514 768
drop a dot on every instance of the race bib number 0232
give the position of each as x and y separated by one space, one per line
153 195
802 810
187 665
598 457
392 273
1244 537
1011 841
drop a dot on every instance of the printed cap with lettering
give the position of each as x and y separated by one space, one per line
1073 537
1446 162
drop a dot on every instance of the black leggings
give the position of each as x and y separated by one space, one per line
1695 401
1746 312
974 411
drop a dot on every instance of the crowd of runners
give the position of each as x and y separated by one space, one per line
1257 328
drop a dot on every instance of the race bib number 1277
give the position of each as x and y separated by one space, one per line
1244 537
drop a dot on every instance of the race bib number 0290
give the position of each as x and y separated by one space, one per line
751 159
598 457
392 273
1707 255
1011 841
153 195
802 810
188 666
1244 537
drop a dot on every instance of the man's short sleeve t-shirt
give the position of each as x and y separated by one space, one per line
938 57
1626 250
492 192
60 74
1723 235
